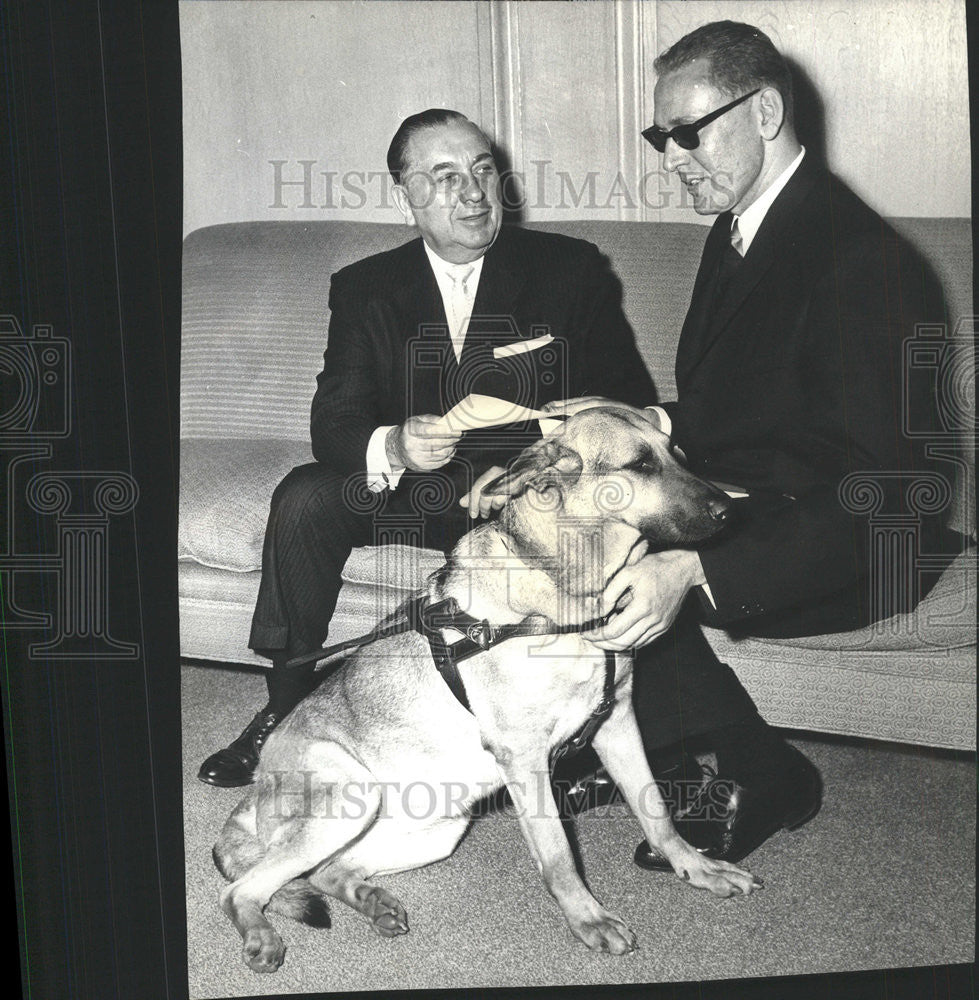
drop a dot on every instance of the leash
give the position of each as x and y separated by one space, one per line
476 635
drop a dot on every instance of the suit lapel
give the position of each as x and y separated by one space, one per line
422 349
694 335
708 326
503 276
417 294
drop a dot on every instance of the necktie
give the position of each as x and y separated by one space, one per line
736 240
730 262
461 305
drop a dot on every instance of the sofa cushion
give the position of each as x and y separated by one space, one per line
397 567
226 486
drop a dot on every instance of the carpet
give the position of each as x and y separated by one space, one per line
884 876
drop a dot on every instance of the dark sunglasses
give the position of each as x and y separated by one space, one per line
685 136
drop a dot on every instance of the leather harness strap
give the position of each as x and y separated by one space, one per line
475 636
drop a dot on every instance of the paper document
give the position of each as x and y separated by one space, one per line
734 492
476 411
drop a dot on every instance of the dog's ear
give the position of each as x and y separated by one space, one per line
544 465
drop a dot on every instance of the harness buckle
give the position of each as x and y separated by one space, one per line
481 633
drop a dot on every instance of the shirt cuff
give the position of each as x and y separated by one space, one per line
665 424
380 474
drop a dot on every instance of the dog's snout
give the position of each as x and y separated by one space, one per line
719 508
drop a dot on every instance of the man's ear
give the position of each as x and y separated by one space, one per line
403 204
544 465
772 109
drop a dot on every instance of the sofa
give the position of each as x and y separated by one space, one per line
255 318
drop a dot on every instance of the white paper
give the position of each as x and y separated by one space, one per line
476 411
734 492
522 346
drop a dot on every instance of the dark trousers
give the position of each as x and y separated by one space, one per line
318 515
680 690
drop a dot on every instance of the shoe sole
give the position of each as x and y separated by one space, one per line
215 783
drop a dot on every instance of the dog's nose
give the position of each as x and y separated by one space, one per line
718 508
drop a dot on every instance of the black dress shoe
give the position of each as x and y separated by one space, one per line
728 820
680 781
235 764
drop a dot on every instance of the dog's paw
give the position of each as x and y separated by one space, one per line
718 877
386 914
263 949
605 932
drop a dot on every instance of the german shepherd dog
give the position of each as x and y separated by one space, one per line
580 506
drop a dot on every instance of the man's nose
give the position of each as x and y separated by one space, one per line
471 189
673 155
719 508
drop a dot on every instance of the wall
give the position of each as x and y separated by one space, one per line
289 106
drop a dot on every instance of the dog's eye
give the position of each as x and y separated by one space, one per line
646 466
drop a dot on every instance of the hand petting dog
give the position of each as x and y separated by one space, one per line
480 504
645 597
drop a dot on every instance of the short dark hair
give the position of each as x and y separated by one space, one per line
740 57
413 124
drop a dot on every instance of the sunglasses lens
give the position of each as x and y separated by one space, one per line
656 137
686 138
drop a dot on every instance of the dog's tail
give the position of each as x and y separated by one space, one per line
302 901
238 850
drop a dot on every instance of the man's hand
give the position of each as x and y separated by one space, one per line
478 504
647 597
420 444
569 407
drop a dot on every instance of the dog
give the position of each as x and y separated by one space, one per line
330 807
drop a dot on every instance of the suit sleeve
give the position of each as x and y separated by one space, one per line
793 551
345 408
608 362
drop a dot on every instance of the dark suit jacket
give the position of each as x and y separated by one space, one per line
389 356
790 383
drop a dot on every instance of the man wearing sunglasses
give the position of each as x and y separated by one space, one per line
789 377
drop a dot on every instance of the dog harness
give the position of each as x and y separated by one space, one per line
475 636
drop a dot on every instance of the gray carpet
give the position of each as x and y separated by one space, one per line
884 876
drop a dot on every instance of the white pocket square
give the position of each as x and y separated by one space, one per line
521 346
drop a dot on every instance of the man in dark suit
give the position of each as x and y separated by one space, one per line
789 378
470 307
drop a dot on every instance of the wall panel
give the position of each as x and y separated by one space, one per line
325 82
